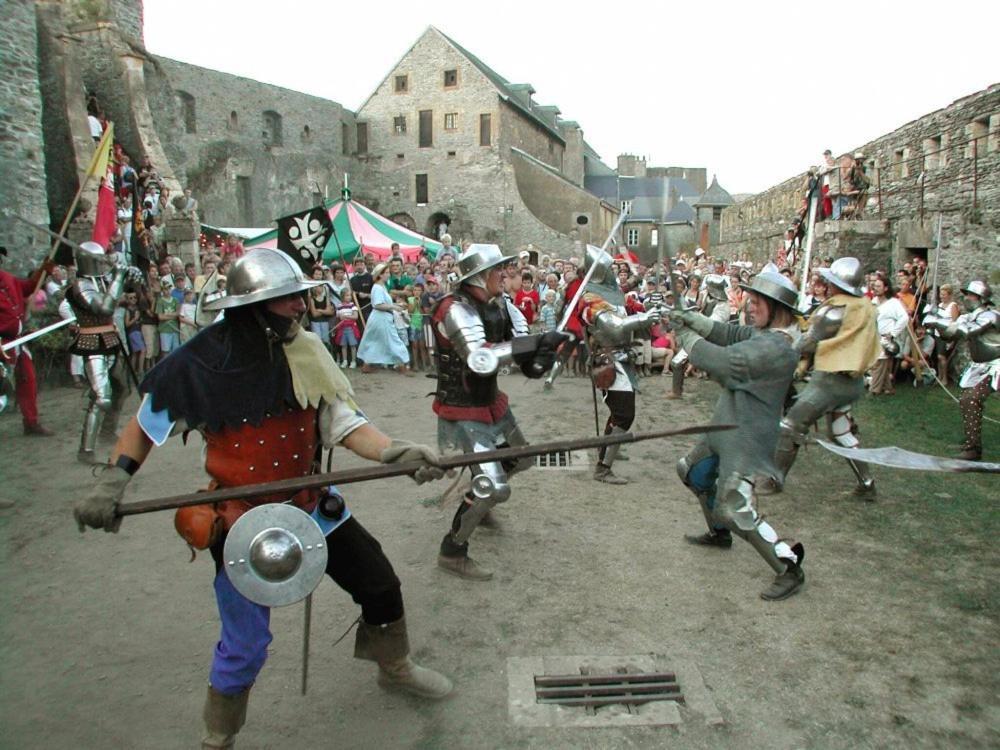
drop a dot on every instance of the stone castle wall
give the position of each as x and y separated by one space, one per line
22 157
939 145
250 152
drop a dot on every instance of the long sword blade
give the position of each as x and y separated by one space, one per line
900 458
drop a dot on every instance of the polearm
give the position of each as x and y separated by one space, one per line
810 233
384 471
937 265
57 236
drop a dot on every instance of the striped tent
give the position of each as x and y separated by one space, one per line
359 229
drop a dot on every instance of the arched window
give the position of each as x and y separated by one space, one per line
185 102
234 121
272 128
306 134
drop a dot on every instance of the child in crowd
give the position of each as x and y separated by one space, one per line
548 314
419 358
321 310
401 318
347 333
133 331
167 314
189 310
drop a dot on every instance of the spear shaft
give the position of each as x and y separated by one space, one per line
384 471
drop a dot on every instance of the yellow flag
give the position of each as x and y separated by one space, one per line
102 155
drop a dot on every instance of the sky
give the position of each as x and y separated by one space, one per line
752 91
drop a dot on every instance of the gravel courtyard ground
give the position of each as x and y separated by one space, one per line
106 640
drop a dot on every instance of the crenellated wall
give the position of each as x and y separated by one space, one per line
926 168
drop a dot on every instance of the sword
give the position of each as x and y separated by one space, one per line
590 272
571 305
384 471
37 334
900 458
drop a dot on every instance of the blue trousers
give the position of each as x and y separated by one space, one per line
704 477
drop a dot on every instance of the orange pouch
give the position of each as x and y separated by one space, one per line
198 525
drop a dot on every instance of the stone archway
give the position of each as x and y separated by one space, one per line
404 220
438 224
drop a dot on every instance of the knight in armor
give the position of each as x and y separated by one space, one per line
602 313
93 297
474 335
267 398
754 365
843 339
979 327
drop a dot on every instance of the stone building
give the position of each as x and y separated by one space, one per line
447 142
665 205
946 163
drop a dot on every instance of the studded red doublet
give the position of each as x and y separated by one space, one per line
281 447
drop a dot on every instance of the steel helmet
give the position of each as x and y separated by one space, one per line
846 274
476 260
979 288
260 275
91 260
774 285
595 256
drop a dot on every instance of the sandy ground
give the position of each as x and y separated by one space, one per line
106 640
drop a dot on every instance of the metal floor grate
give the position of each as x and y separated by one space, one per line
572 460
593 691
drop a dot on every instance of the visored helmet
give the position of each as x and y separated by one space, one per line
774 285
475 260
260 275
595 256
846 274
91 260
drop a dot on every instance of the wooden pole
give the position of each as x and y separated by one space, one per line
384 471
101 145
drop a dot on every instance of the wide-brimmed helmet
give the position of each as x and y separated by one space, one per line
716 286
979 288
594 256
477 259
846 274
260 275
774 285
91 260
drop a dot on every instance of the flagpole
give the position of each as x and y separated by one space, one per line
101 145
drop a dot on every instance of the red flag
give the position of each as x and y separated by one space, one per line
105 222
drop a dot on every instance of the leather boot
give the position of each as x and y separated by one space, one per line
389 645
971 454
36 430
604 474
454 559
224 717
720 538
785 584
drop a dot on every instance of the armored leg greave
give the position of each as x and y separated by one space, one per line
98 371
735 510
841 426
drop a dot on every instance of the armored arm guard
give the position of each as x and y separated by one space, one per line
463 326
823 324
612 329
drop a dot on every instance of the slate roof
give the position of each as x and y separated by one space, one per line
715 196
611 187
